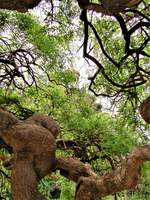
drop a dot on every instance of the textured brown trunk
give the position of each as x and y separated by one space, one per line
33 154
107 7
144 109
24 180
20 5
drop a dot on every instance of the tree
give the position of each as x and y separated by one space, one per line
16 5
121 74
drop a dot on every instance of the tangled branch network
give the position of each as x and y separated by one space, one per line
132 58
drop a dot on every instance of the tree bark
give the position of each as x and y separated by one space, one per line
33 154
93 187
144 109
34 157
18 5
73 168
123 178
24 180
107 7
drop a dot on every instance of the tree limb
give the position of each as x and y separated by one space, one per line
73 168
123 178
18 5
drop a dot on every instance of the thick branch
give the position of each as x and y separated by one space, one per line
91 186
109 7
73 169
18 5
144 109
123 178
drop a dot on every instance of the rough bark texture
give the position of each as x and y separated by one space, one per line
144 109
73 169
24 179
45 121
34 154
123 178
92 187
34 157
18 5
115 6
108 7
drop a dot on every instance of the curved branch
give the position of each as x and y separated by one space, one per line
101 69
123 178
124 31
101 45
137 26
73 168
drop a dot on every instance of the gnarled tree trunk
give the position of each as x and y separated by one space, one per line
24 180
33 154
123 178
34 157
